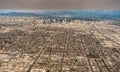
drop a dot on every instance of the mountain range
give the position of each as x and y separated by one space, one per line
100 14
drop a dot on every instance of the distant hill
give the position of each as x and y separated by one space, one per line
72 13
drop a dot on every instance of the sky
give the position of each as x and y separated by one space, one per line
60 4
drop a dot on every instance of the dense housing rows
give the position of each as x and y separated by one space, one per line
27 44
57 50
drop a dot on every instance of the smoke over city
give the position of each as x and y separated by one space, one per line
59 4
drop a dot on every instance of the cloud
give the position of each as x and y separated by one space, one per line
59 4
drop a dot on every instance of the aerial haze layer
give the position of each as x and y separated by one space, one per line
60 4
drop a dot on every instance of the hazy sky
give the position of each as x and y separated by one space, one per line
60 4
